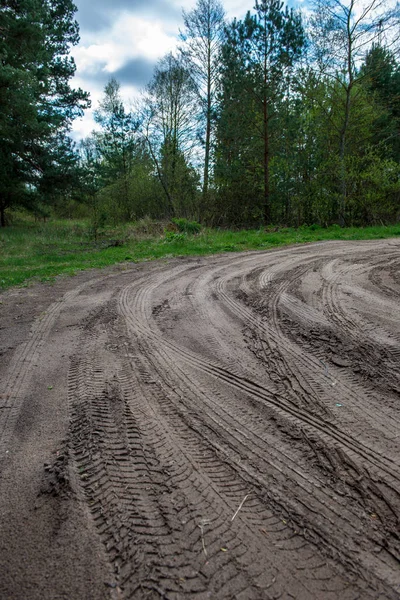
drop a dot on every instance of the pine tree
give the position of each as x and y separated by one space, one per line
116 143
381 77
256 61
37 104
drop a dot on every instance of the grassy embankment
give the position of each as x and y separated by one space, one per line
39 252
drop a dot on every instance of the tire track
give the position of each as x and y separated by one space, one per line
191 466
139 310
386 494
14 388
218 371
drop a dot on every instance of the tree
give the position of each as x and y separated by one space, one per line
60 182
237 140
168 125
37 104
341 33
117 142
202 40
257 58
381 78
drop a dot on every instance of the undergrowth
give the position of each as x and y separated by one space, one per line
31 251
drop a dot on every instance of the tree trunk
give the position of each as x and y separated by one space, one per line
342 154
208 129
343 132
2 213
161 179
267 200
126 208
207 150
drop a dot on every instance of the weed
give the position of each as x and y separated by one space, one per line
186 226
148 226
170 236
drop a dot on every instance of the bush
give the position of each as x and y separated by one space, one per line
186 226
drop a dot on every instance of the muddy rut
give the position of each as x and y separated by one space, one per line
227 428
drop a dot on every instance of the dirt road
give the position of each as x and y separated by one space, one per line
215 428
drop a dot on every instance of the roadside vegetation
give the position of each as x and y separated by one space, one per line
32 252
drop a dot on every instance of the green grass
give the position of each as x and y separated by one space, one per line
39 252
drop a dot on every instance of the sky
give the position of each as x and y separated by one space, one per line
125 39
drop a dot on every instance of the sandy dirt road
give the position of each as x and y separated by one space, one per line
219 428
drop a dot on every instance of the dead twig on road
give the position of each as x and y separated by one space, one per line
240 507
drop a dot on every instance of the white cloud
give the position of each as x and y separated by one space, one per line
237 8
128 37
233 8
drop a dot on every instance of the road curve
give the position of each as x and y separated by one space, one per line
232 424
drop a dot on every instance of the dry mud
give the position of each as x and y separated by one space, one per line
205 428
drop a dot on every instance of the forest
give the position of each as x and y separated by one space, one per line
281 118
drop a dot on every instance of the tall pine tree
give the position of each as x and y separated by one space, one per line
256 59
37 103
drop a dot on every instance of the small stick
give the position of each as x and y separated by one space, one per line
202 524
326 368
243 501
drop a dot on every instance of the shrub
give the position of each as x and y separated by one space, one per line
186 226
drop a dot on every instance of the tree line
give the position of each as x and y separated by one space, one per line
276 119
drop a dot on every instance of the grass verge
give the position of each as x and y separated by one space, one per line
39 252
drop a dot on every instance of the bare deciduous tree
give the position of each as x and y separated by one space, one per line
168 124
201 39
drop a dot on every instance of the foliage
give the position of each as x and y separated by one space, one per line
116 144
257 58
170 236
381 78
341 34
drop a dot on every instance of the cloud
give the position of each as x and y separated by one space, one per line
136 72
97 15
83 126
128 37
90 19
127 48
